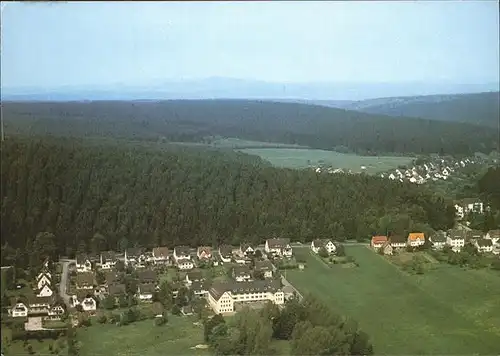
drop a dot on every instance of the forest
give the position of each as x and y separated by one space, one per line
291 123
60 196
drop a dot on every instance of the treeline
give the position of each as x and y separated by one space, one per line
290 123
95 197
310 327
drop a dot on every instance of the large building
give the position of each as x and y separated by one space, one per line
222 297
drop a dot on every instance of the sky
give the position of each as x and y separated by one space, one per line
132 43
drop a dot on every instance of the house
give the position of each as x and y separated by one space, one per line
456 239
266 267
246 249
83 263
39 305
88 304
19 310
280 247
194 276
182 253
378 241
329 246
42 280
222 297
184 264
242 274
116 290
438 240
200 288
397 241
494 236
45 291
226 253
56 310
496 249
474 235
108 260
84 280
145 292
416 239
484 245
160 255
204 253
147 277
110 277
134 255
468 205
387 248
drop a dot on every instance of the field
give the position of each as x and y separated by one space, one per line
304 158
177 337
446 311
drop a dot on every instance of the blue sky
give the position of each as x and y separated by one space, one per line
49 45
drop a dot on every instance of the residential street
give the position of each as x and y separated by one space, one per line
63 285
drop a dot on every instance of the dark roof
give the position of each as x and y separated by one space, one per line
81 294
475 234
110 277
182 250
81 258
226 250
134 251
160 252
218 289
456 234
195 275
397 238
438 236
146 288
200 286
44 273
116 289
255 286
34 299
484 243
467 201
241 271
147 275
108 256
278 243
265 265
85 278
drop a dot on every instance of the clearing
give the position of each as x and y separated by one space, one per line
304 158
177 337
446 311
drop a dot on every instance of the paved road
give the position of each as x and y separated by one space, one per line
63 285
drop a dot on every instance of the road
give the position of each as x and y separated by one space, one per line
63 285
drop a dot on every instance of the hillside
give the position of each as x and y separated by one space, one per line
188 196
480 108
290 123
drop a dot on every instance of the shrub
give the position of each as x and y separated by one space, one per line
101 319
159 321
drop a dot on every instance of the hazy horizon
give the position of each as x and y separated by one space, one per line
50 45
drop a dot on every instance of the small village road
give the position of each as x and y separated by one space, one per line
63 285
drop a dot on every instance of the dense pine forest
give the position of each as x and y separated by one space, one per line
291 123
91 196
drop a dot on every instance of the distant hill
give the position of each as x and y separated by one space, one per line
290 123
477 108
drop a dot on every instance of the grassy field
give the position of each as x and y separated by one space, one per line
177 337
303 158
446 311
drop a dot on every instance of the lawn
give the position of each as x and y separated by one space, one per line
303 158
446 311
177 337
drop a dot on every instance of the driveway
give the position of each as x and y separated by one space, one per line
63 286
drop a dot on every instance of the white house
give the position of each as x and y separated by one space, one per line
55 311
160 255
246 249
484 245
330 247
44 280
468 205
47 279
182 253
134 255
45 291
204 252
83 263
456 239
184 264
226 253
145 292
266 267
107 259
242 273
438 240
222 296
195 276
416 239
89 304
397 241
280 247
494 236
19 310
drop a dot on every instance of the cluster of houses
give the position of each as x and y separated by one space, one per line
329 246
42 302
456 239
247 285
469 205
438 169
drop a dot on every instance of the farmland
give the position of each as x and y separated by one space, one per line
304 158
445 311
178 337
